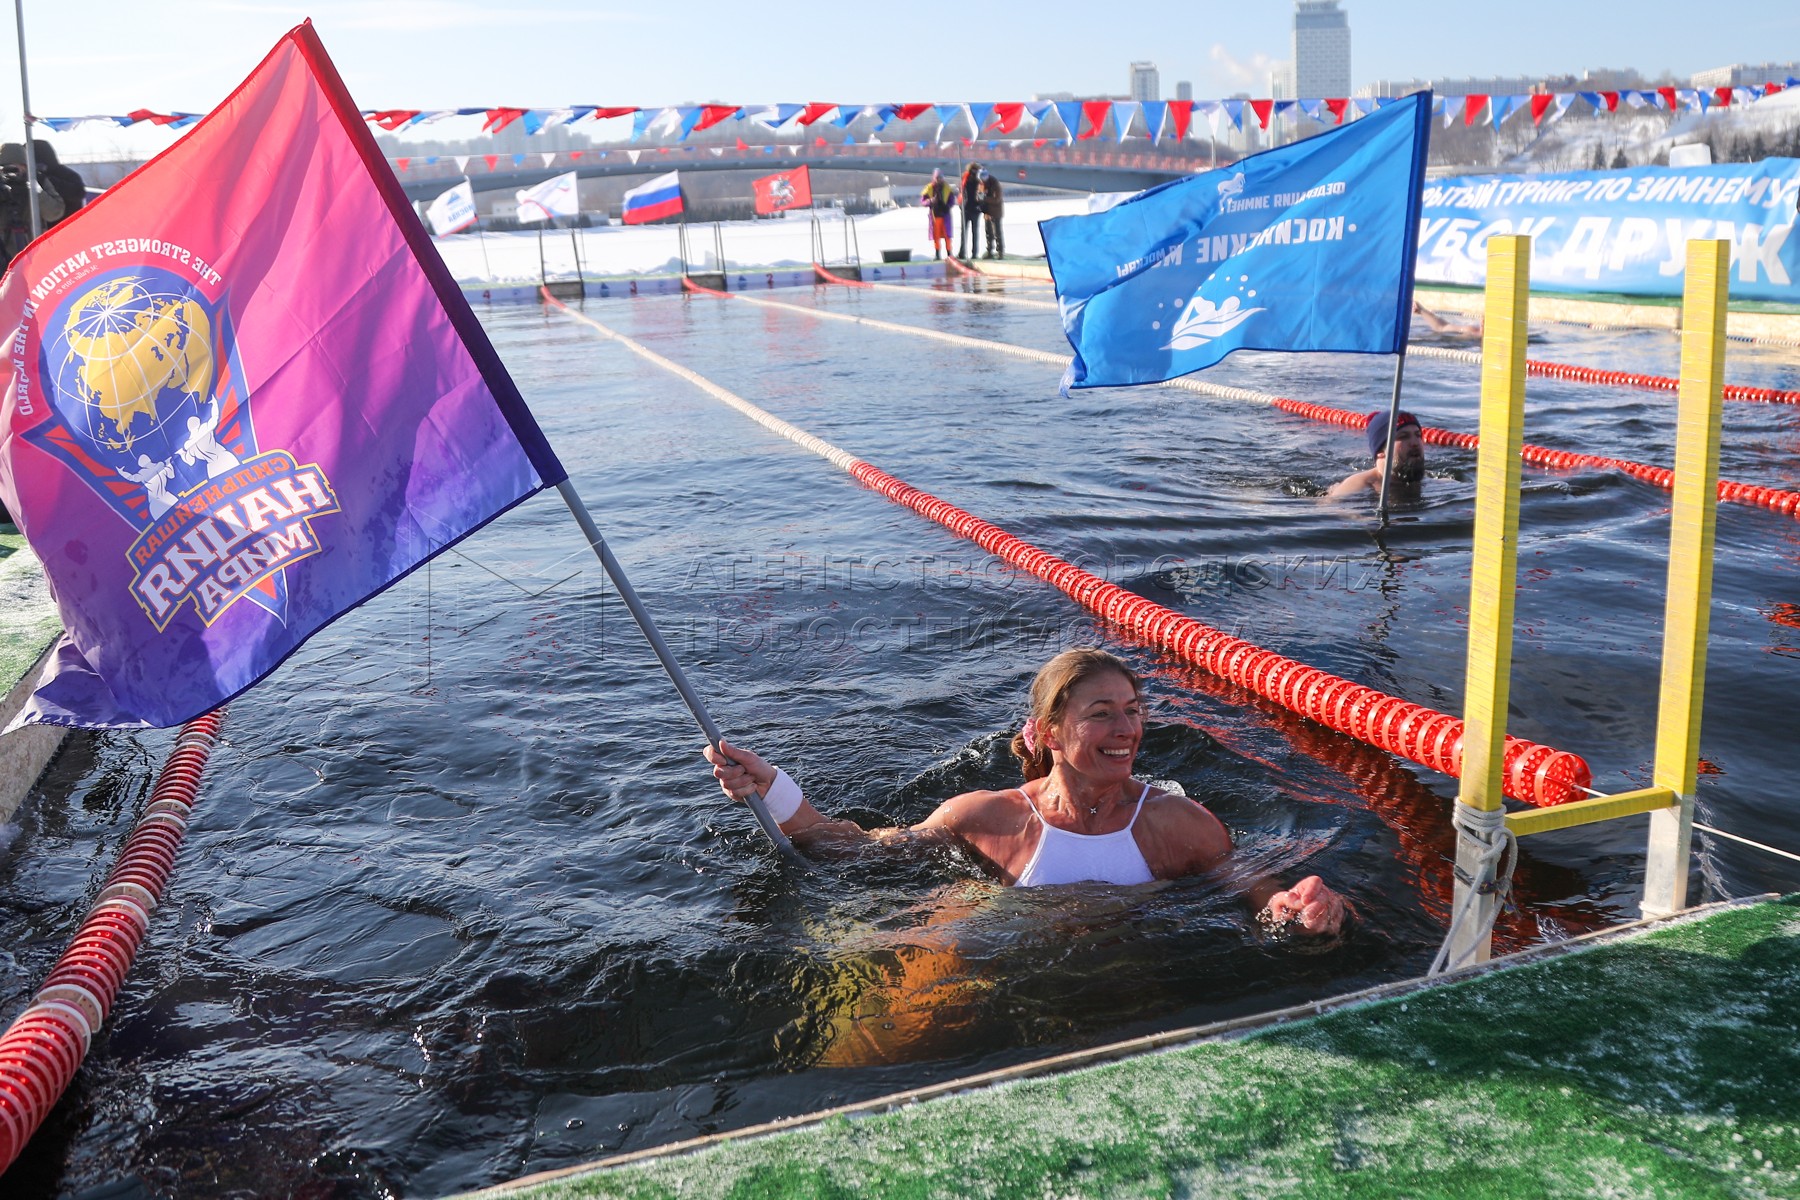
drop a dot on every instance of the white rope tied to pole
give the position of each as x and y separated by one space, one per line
1488 827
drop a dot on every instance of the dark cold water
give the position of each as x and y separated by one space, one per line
460 900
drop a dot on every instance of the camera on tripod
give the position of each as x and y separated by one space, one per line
16 188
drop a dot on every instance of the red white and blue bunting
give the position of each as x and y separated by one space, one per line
1065 121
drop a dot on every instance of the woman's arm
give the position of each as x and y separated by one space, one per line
740 772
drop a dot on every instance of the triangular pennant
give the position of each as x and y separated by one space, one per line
1096 112
1475 104
500 118
633 156
712 114
1069 113
1337 107
1539 103
1314 109
1235 110
546 159
462 164
1008 116
1124 113
492 160
816 111
402 163
910 112
1181 112
1156 115
1668 97
978 116
690 117
1502 107
1262 109
1366 105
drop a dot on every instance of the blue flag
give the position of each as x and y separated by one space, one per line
1306 247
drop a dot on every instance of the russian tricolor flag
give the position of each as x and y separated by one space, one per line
659 198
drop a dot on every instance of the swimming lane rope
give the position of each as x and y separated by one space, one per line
1534 773
1655 383
981 297
42 1049
1754 495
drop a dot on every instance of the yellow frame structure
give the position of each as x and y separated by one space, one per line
1670 798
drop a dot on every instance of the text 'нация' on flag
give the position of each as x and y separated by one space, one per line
245 396
1305 247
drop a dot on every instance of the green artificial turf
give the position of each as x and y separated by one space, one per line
1660 1065
28 620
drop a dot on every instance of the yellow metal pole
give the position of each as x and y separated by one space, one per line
1492 582
1687 610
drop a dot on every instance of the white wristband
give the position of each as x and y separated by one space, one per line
784 798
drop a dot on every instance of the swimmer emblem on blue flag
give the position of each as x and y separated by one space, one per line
1305 247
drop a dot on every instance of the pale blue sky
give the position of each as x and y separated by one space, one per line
104 56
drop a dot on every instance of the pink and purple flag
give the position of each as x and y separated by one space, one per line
245 397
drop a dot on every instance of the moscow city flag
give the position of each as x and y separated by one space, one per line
783 190
245 396
1306 247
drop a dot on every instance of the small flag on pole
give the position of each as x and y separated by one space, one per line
241 402
555 197
1306 247
453 211
783 190
659 198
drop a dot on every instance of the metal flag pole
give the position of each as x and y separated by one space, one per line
37 217
1387 466
487 268
641 615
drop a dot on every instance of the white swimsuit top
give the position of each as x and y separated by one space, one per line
1064 857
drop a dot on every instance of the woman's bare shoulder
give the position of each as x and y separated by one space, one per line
1185 830
979 812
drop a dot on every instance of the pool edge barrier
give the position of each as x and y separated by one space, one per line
1217 1031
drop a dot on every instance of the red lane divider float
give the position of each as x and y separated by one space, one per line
1774 499
42 1049
1533 773
1750 494
1578 374
825 276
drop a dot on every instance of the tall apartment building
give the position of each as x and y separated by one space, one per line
1184 90
1144 82
1321 59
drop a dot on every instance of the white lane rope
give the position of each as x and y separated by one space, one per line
1060 361
774 424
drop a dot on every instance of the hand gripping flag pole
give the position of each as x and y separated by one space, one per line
225 429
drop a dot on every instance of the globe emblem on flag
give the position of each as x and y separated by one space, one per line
131 360
128 364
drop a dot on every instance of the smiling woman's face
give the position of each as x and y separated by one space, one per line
1100 729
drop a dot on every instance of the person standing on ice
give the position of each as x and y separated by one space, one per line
993 208
938 198
968 241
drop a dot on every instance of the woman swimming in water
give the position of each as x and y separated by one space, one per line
1080 816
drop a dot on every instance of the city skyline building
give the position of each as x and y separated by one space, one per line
1320 63
1742 75
1145 84
1184 90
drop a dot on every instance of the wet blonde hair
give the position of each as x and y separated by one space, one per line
1050 692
